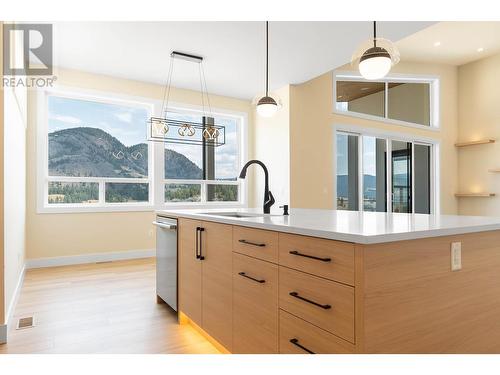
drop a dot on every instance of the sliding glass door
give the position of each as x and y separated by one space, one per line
347 172
383 174
422 178
401 185
374 174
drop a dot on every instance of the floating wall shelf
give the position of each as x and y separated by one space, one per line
475 143
494 170
474 195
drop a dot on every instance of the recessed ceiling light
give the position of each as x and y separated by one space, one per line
480 49
437 44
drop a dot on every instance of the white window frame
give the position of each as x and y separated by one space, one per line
155 158
435 202
434 105
242 136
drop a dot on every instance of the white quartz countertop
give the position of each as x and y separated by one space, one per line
350 226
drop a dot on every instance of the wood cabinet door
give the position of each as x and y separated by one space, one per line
189 270
217 297
255 298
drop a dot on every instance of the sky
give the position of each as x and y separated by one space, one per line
129 125
126 123
369 166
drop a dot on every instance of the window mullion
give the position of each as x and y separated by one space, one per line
203 192
412 174
389 174
102 192
360 174
386 100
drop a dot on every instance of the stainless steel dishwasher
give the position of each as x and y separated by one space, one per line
166 260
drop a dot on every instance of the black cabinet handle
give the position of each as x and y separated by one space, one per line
196 249
296 295
199 243
251 278
296 343
295 252
252 243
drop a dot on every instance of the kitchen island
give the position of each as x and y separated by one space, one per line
326 281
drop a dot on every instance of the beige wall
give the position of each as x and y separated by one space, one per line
479 118
53 235
14 190
2 217
312 152
272 147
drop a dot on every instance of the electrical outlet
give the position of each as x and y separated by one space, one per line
456 256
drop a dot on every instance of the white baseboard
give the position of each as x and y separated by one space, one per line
89 258
3 333
15 297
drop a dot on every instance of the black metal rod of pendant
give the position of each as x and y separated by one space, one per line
375 33
267 58
186 56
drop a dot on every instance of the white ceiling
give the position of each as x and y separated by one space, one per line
234 52
458 42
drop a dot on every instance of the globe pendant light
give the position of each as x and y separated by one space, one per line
267 106
376 61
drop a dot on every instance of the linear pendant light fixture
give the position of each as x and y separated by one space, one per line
376 61
177 130
267 106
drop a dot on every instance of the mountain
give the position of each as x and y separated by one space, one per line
91 152
369 184
177 166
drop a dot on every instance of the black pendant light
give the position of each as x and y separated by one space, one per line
377 60
267 106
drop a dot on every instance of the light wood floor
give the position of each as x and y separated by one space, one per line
99 308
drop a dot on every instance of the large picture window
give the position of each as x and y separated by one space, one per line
97 152
94 154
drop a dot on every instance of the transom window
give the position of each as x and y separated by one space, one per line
401 100
95 155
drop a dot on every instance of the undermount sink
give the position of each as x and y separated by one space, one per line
233 214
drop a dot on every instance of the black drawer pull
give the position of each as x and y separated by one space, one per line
296 295
198 243
296 343
251 278
252 243
295 252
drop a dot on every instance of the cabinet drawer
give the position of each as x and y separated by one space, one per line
262 244
326 258
255 305
299 337
324 303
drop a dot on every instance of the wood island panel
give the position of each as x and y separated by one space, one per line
414 303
